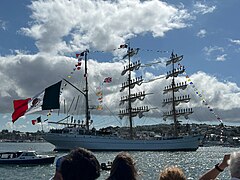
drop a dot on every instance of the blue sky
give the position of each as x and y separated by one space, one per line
39 40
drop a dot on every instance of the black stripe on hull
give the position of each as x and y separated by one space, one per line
49 160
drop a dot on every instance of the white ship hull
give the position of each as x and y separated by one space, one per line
109 143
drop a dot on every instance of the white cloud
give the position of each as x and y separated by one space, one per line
218 94
209 50
221 57
5 116
69 26
215 52
3 25
202 8
99 24
221 96
235 41
10 125
202 33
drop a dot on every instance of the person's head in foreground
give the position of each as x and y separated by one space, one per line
123 168
58 175
234 164
172 173
80 164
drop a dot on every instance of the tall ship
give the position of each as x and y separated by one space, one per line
81 135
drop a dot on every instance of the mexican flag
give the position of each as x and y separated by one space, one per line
45 100
35 121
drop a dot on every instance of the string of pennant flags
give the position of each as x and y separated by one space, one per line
78 67
99 94
79 57
123 46
99 91
201 96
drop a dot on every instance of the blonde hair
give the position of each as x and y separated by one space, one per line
172 173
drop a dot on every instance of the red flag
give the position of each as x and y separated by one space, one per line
20 108
107 80
34 122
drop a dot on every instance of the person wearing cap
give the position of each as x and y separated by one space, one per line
58 175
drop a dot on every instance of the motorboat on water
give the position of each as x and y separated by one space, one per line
25 157
106 166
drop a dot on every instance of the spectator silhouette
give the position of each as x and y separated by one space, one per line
172 173
58 175
123 168
80 164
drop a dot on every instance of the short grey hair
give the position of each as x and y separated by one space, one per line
234 164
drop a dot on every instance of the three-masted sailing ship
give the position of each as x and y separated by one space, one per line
75 135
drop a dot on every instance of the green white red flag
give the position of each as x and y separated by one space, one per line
46 100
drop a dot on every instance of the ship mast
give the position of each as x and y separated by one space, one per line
86 91
173 89
173 103
131 111
129 93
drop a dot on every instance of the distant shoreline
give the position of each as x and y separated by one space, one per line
22 141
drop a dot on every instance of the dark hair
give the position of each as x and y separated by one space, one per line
80 164
123 168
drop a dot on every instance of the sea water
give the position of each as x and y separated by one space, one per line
149 163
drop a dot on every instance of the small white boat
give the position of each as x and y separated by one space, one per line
25 157
106 166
